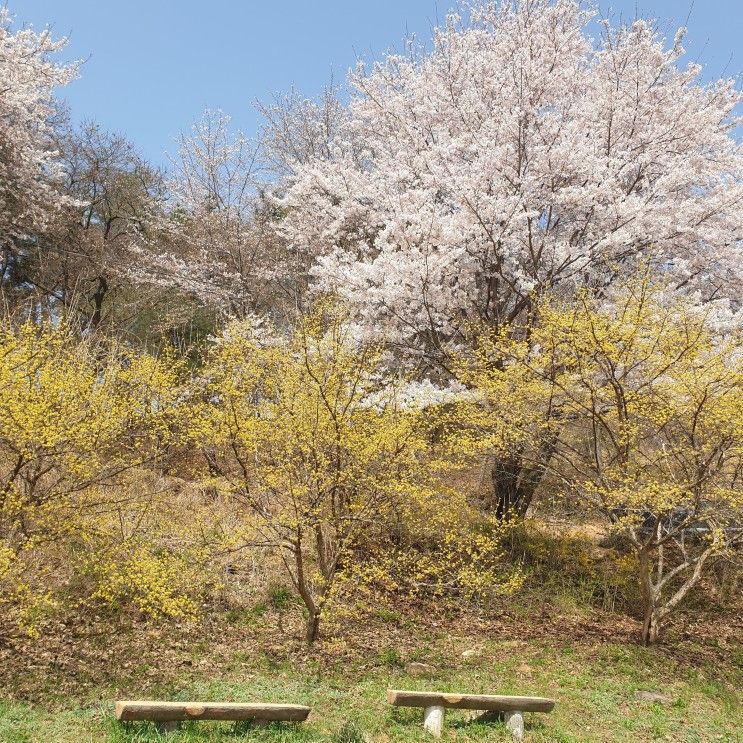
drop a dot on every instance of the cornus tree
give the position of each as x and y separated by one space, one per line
329 461
313 448
76 418
519 155
28 195
661 393
650 398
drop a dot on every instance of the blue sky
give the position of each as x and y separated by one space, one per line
152 67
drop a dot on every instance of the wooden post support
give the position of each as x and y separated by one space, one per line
515 723
433 720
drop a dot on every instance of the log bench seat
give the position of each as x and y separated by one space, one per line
169 715
434 704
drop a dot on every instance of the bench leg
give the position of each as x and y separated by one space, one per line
515 723
433 720
167 726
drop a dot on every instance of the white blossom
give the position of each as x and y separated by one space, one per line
520 155
29 165
212 241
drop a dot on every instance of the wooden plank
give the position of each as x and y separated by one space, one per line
160 711
405 698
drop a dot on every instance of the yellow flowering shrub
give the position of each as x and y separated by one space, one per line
150 578
76 420
513 420
439 546
645 393
319 452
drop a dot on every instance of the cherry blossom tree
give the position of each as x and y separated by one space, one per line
298 130
214 240
28 166
518 156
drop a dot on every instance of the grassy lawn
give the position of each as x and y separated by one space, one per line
595 686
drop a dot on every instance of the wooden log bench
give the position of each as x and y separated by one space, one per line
434 704
169 715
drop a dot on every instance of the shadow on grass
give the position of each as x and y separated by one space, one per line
459 723
196 731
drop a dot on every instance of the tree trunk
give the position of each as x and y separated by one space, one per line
305 591
513 488
515 479
98 296
505 479
313 627
651 626
650 599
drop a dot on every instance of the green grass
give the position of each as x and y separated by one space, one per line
595 687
